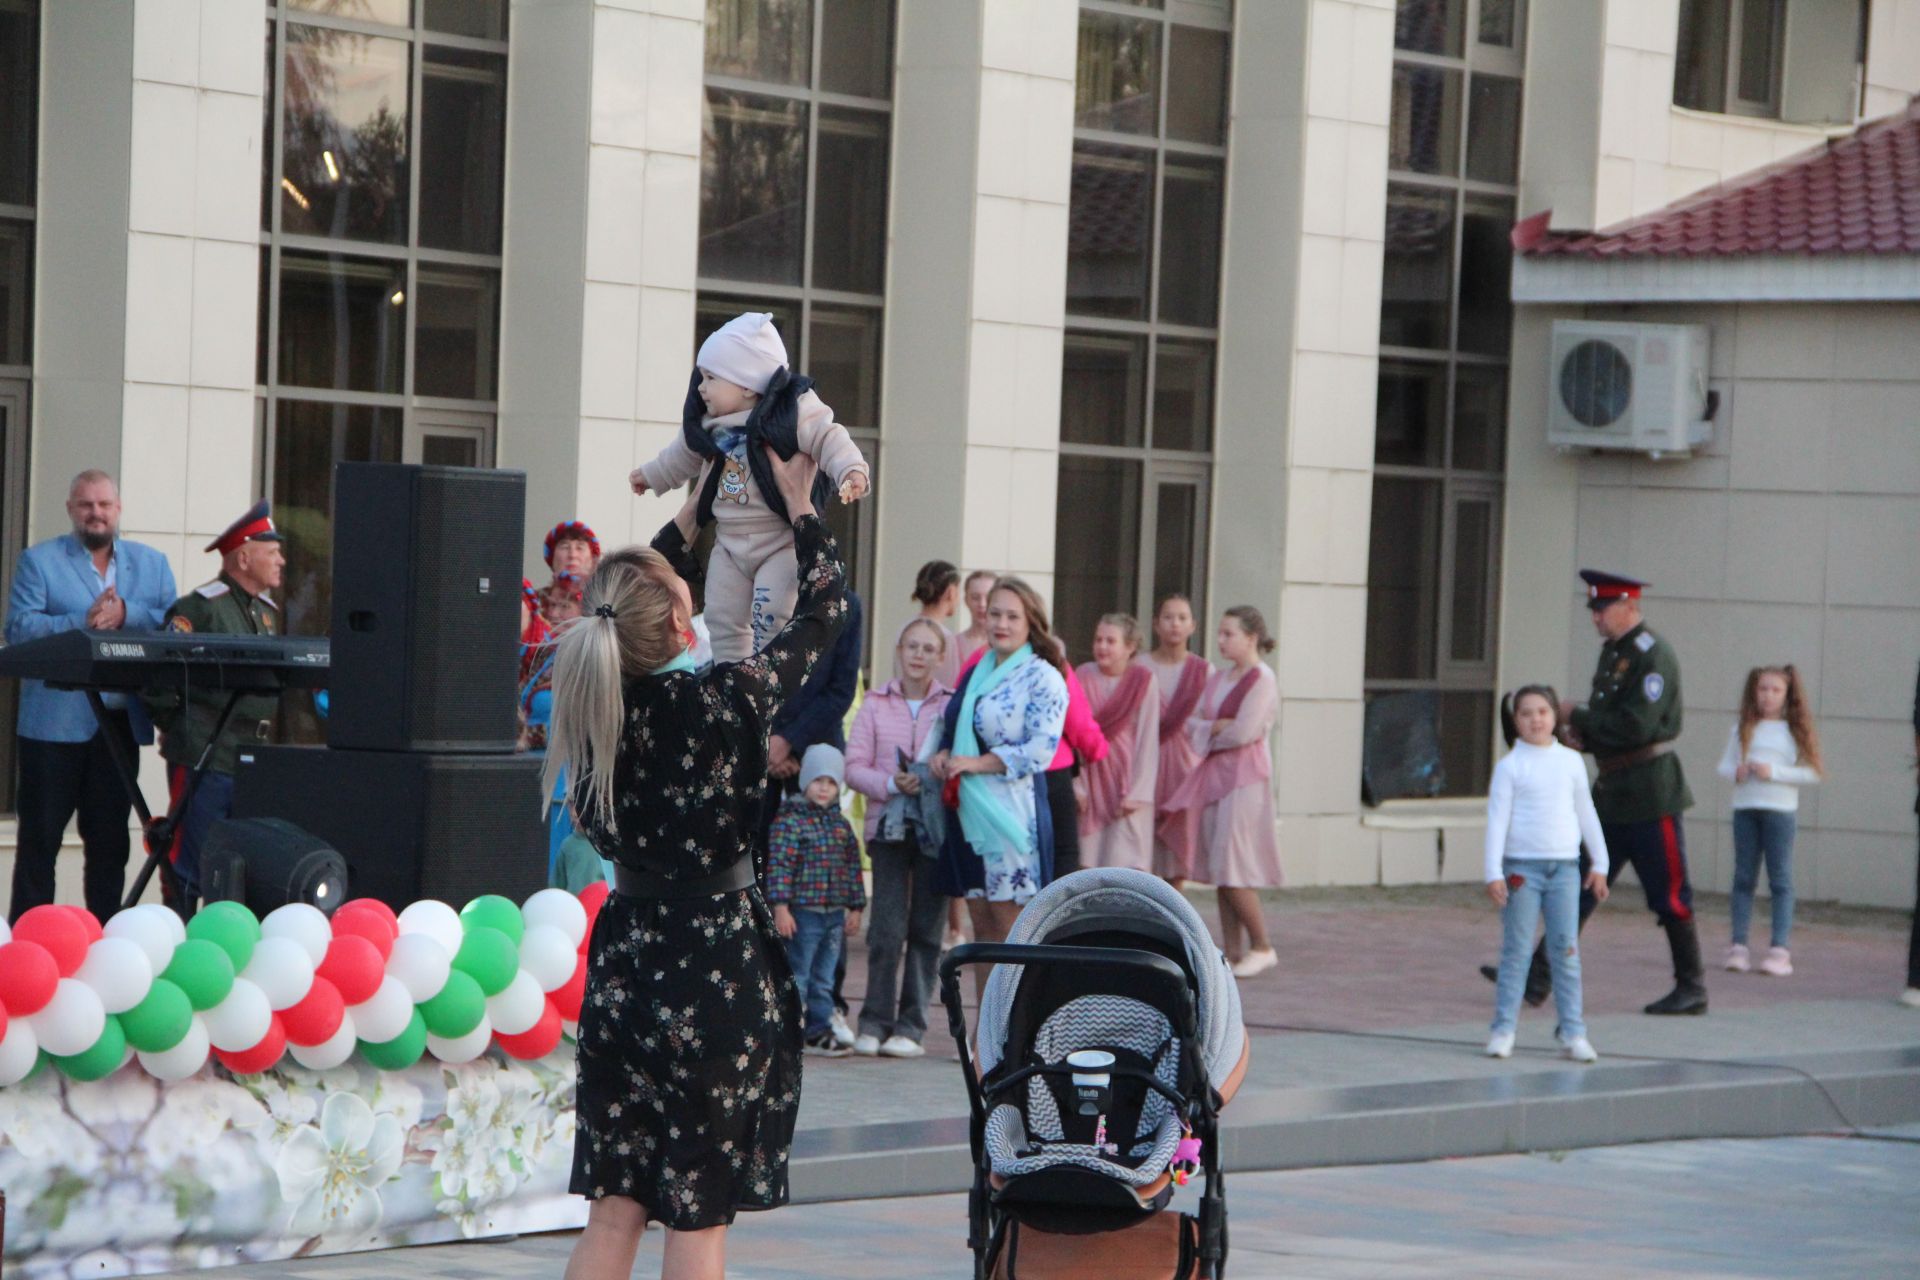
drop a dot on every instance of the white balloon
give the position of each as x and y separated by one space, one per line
241 1020
118 971
462 1048
421 964
176 927
330 1053
518 1006
184 1059
560 909
282 969
304 924
72 1020
385 1014
548 956
146 931
435 919
20 1049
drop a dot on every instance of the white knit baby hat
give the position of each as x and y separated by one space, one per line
746 351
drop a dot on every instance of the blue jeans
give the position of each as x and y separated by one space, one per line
1548 887
811 953
1764 833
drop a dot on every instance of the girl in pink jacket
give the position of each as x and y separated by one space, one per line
892 724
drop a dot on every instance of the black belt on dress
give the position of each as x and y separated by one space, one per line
653 886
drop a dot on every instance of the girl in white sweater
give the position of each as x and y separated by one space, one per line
1771 753
1539 810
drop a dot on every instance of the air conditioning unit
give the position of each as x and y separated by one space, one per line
1638 387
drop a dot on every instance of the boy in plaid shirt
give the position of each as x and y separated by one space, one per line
814 885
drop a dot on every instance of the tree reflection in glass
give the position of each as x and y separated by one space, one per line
344 143
753 181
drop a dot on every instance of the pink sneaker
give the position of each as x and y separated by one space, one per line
1737 961
1778 963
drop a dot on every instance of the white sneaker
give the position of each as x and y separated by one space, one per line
1778 964
842 1033
866 1046
1256 962
901 1047
1580 1049
1910 997
1501 1045
1737 959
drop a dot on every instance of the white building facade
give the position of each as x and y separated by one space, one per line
1124 296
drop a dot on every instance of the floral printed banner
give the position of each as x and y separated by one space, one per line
129 1175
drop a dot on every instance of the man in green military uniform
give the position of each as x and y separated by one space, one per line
1629 724
235 603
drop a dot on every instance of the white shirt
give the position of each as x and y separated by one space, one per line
1773 745
1540 806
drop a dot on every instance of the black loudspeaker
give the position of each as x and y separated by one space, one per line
411 825
426 607
265 863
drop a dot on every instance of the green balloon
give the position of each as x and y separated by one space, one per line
229 926
492 911
99 1060
160 1021
489 957
400 1052
458 1008
203 970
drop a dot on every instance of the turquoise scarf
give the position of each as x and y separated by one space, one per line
990 823
682 661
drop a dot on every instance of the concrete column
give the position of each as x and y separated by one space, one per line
976 298
1306 194
149 264
603 217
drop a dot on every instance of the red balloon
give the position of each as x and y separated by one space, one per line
353 965
537 1042
376 906
28 976
349 922
3 1022
262 1056
567 996
87 922
592 896
54 928
316 1018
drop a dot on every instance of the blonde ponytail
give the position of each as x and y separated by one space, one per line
626 629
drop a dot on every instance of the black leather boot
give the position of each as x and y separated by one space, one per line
1689 994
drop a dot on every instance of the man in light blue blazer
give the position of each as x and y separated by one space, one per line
87 578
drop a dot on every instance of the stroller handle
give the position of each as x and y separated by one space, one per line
1024 953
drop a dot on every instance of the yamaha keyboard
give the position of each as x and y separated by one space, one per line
133 660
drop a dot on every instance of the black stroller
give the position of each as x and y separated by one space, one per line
1110 1037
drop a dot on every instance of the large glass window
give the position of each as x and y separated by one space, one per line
380 253
793 201
1730 55
1446 324
1143 305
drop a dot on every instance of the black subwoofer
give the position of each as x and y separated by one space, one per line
426 607
410 825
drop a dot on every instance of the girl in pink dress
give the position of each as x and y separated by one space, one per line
1238 851
1181 677
1116 793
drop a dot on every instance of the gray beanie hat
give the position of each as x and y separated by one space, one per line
823 761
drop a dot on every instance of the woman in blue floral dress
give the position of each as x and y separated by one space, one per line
689 1044
998 736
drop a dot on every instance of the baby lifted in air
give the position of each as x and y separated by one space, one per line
744 397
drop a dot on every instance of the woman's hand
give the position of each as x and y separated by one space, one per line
941 766
794 479
1760 769
783 921
907 784
989 763
1597 886
1497 890
853 922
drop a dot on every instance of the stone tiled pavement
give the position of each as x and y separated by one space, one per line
1688 1210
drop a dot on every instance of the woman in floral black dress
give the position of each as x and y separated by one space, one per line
689 1048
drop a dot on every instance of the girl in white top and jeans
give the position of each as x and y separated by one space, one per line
1539 810
1771 753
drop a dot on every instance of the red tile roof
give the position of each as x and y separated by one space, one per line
1855 194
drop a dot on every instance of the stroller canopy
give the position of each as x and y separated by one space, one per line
1120 898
